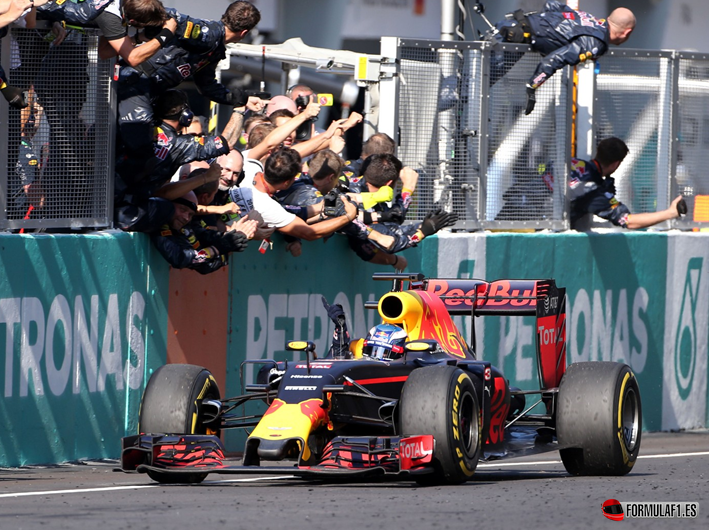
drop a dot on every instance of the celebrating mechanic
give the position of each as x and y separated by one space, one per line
184 243
141 182
191 53
562 36
592 191
279 173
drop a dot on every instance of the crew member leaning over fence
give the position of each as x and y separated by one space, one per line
592 191
385 170
11 10
108 16
184 243
323 184
193 53
563 37
140 183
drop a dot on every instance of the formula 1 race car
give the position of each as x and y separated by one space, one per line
423 408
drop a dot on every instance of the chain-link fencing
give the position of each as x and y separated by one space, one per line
58 151
462 126
634 102
691 135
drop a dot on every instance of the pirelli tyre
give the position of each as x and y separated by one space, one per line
169 406
441 400
599 418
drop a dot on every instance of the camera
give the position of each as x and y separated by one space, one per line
343 185
324 100
332 204
260 95
304 132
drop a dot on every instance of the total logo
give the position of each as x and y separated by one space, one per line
414 450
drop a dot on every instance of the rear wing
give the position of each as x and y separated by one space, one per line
474 297
463 296
500 297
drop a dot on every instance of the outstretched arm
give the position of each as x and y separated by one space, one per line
232 130
300 229
279 134
173 190
134 55
644 220
580 49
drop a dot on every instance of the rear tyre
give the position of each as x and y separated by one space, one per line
169 406
599 418
441 400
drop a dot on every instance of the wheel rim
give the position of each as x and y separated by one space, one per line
630 419
468 421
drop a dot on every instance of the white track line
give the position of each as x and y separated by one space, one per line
702 453
511 464
542 462
66 492
281 477
134 487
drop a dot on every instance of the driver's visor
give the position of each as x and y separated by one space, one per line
381 352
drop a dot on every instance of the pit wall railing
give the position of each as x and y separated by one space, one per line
457 112
86 319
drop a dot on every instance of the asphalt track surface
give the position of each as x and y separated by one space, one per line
530 492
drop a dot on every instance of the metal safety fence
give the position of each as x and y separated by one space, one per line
634 102
690 153
461 124
456 109
462 127
57 153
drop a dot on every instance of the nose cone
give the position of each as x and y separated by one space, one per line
284 429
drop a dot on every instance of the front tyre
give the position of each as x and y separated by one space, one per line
599 419
170 405
441 401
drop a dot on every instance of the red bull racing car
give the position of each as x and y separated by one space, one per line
416 405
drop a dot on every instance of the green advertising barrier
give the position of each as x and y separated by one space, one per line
634 297
82 326
83 321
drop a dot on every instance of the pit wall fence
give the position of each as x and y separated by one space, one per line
86 319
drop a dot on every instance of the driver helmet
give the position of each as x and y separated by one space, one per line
385 341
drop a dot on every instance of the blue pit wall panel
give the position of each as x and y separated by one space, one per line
83 321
